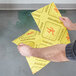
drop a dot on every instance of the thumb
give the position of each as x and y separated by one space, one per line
62 19
21 44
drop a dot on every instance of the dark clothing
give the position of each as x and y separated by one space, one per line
71 51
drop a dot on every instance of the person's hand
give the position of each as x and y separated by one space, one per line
54 53
68 23
25 50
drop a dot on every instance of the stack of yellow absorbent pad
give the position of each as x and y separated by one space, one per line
52 32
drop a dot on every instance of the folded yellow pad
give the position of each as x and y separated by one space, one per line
52 32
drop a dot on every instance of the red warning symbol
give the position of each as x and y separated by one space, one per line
56 9
67 37
30 33
51 30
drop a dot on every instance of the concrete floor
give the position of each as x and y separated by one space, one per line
14 24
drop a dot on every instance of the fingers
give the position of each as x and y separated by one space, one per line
21 53
21 49
62 19
21 44
24 50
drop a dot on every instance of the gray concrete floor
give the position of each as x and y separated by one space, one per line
11 62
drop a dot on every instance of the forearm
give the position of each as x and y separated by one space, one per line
73 26
51 53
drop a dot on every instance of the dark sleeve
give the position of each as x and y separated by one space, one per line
71 51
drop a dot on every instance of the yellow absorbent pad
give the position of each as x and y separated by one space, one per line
52 32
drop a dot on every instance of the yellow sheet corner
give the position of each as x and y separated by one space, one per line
52 32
